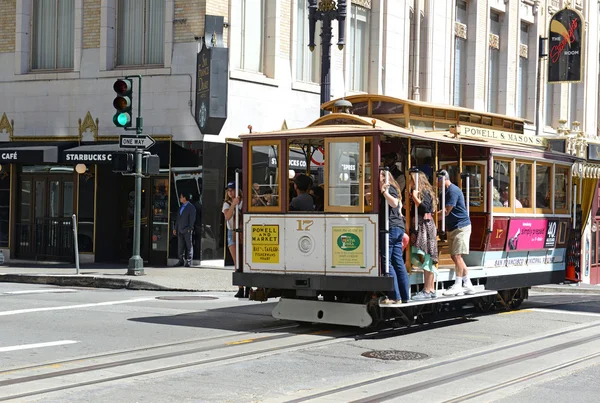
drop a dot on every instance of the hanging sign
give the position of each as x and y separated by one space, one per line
565 48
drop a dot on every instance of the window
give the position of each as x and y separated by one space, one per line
251 21
494 64
307 62
522 76
53 34
344 186
523 185
140 32
573 103
359 48
561 184
5 205
543 183
460 57
264 177
503 194
476 194
549 104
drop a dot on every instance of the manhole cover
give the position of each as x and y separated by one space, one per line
187 298
395 355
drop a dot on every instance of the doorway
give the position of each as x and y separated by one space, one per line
46 203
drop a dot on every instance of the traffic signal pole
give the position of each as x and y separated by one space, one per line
136 263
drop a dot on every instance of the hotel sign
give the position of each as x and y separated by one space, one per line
565 49
517 138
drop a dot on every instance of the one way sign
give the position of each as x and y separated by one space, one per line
131 141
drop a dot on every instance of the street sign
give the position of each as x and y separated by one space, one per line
132 141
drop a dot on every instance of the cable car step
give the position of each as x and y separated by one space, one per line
440 299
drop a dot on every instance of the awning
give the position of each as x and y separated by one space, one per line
29 153
94 154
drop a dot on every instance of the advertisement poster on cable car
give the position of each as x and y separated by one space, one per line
526 234
348 246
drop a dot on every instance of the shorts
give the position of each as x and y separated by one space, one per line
230 239
458 240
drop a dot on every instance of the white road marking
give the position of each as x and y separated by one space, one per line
561 311
39 291
60 308
37 345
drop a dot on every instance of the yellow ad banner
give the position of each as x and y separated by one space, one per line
265 244
348 246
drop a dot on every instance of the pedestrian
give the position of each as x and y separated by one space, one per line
458 226
184 226
390 198
423 241
230 204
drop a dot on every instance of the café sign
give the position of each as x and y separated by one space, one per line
499 135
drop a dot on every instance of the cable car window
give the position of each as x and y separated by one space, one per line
503 197
264 176
543 186
476 185
344 186
523 183
561 183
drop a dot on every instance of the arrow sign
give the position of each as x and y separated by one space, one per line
131 141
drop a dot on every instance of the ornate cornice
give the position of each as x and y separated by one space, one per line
363 3
88 123
524 51
460 30
494 41
7 125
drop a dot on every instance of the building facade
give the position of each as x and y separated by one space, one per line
60 58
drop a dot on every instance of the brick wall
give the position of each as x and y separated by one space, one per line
91 24
219 7
285 28
8 10
189 19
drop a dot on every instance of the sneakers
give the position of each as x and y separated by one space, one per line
424 296
454 291
469 289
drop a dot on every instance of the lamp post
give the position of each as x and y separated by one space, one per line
326 12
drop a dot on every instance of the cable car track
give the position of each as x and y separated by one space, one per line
461 375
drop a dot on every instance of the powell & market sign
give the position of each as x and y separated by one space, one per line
500 135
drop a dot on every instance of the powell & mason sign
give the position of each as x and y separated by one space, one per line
500 135
565 49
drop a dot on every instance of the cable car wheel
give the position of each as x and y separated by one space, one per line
485 304
513 298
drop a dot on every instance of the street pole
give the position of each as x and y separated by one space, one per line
136 263
326 11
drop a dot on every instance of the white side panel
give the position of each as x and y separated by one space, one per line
305 244
264 246
335 313
351 242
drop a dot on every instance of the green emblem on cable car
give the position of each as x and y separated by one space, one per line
348 242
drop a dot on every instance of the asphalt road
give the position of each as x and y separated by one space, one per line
94 345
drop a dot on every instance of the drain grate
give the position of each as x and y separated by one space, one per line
395 355
186 298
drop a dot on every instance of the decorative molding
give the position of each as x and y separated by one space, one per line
326 5
460 30
494 41
524 51
88 123
7 125
363 3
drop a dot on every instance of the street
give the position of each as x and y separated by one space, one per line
96 345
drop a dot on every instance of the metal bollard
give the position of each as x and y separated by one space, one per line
76 245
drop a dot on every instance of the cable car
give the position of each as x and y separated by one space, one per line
325 264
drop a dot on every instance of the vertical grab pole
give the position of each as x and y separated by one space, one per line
491 193
237 217
468 194
416 172
574 208
75 244
443 207
387 227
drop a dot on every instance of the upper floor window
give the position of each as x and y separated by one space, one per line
494 62
250 15
53 34
358 47
307 62
522 76
460 55
140 32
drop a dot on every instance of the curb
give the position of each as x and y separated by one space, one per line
88 281
566 290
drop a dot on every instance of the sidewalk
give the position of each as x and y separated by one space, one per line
209 277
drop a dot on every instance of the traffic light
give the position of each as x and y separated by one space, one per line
123 102
123 163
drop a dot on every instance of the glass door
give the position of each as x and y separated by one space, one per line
344 182
159 237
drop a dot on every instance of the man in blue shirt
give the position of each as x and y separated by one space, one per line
184 225
458 227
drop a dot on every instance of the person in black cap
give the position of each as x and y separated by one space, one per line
184 226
